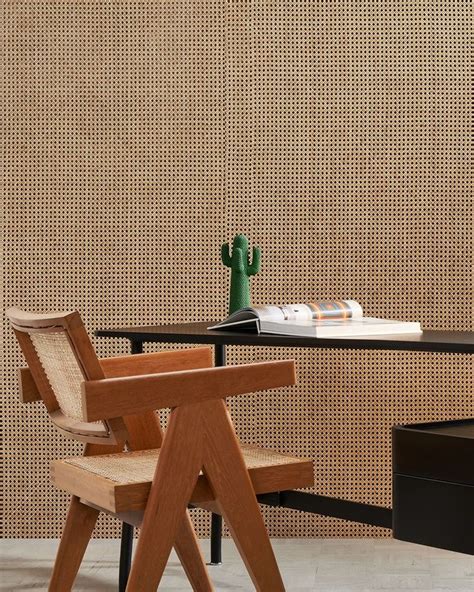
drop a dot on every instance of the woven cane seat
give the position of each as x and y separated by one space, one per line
121 482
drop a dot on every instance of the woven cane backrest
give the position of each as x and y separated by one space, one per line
60 357
62 370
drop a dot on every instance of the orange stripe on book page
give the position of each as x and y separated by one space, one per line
345 309
315 309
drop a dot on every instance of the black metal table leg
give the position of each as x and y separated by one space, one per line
216 520
126 546
216 539
136 346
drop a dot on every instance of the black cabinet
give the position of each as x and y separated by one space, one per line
433 484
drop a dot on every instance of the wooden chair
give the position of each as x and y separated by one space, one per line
110 404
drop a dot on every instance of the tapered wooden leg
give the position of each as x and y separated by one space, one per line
225 468
77 532
144 433
175 478
189 553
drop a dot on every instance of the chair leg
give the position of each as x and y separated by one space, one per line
174 481
225 468
145 432
77 532
189 553
126 547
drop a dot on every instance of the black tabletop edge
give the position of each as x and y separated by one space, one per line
465 427
197 333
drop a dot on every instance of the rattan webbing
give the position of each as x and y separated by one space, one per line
136 467
62 370
142 134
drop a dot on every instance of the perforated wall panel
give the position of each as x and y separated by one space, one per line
142 134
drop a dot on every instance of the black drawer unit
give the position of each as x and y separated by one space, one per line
433 484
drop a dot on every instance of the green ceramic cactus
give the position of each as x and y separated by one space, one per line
241 270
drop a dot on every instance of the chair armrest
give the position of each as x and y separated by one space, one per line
116 397
153 363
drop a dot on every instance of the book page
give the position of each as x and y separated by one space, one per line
312 311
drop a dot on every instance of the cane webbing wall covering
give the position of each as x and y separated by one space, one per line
141 135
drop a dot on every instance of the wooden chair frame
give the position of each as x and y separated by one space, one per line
124 392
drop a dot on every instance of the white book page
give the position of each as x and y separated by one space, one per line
291 313
350 309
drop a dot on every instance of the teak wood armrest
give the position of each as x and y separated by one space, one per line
131 365
116 397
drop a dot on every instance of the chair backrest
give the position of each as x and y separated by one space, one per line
60 357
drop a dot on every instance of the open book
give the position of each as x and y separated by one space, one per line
329 318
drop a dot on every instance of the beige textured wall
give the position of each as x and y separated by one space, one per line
141 134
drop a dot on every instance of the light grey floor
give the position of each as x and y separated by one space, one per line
325 565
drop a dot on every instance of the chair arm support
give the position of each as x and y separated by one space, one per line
116 397
27 386
152 363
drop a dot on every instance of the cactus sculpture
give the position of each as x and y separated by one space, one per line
241 270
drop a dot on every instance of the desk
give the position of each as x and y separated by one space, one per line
197 333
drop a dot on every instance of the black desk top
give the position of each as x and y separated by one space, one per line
430 341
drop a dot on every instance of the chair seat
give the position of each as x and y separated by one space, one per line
121 482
